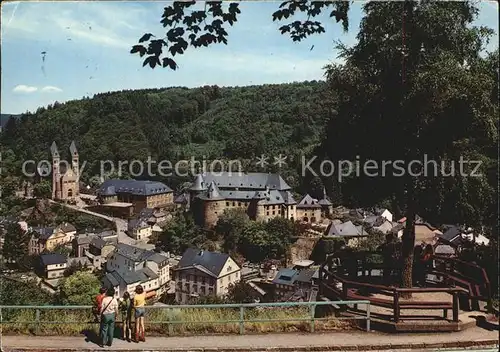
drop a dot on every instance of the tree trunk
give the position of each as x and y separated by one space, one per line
408 240
407 250
408 67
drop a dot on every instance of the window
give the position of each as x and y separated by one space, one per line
227 204
203 280
274 212
239 204
234 204
274 207
267 213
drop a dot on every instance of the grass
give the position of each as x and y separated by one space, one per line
194 321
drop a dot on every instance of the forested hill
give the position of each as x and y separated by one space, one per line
4 118
211 121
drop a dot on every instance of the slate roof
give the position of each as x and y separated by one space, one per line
53 150
325 200
199 184
212 193
44 232
67 227
374 220
385 227
181 199
72 148
251 180
308 202
137 224
138 254
53 258
110 280
135 187
286 276
107 233
99 242
345 229
306 275
451 233
213 262
85 239
146 274
129 277
288 197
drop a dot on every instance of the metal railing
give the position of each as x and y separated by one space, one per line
173 310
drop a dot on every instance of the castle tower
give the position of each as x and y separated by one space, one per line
75 166
56 173
213 205
198 187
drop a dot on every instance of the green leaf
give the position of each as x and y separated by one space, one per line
145 37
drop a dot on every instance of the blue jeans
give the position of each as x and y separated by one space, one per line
107 328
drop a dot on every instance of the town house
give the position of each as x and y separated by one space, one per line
131 266
201 273
48 238
53 265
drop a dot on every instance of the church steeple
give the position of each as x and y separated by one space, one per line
56 173
74 160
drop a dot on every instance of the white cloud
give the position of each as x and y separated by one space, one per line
51 89
104 24
21 88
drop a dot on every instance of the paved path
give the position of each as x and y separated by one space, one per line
121 225
289 342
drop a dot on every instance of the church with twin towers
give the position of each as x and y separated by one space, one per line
65 175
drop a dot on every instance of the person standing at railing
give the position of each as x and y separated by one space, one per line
126 307
109 311
96 309
140 311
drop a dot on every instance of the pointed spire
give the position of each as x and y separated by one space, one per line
72 148
198 184
213 192
325 200
53 150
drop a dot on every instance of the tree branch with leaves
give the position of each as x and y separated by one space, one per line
203 28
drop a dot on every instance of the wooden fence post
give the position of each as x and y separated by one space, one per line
396 306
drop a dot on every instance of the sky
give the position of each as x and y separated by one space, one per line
86 49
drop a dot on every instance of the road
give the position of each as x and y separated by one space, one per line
120 224
332 341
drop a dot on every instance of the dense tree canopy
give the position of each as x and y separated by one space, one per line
15 247
173 124
79 289
415 87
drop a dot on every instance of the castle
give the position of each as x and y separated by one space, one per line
262 196
65 183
